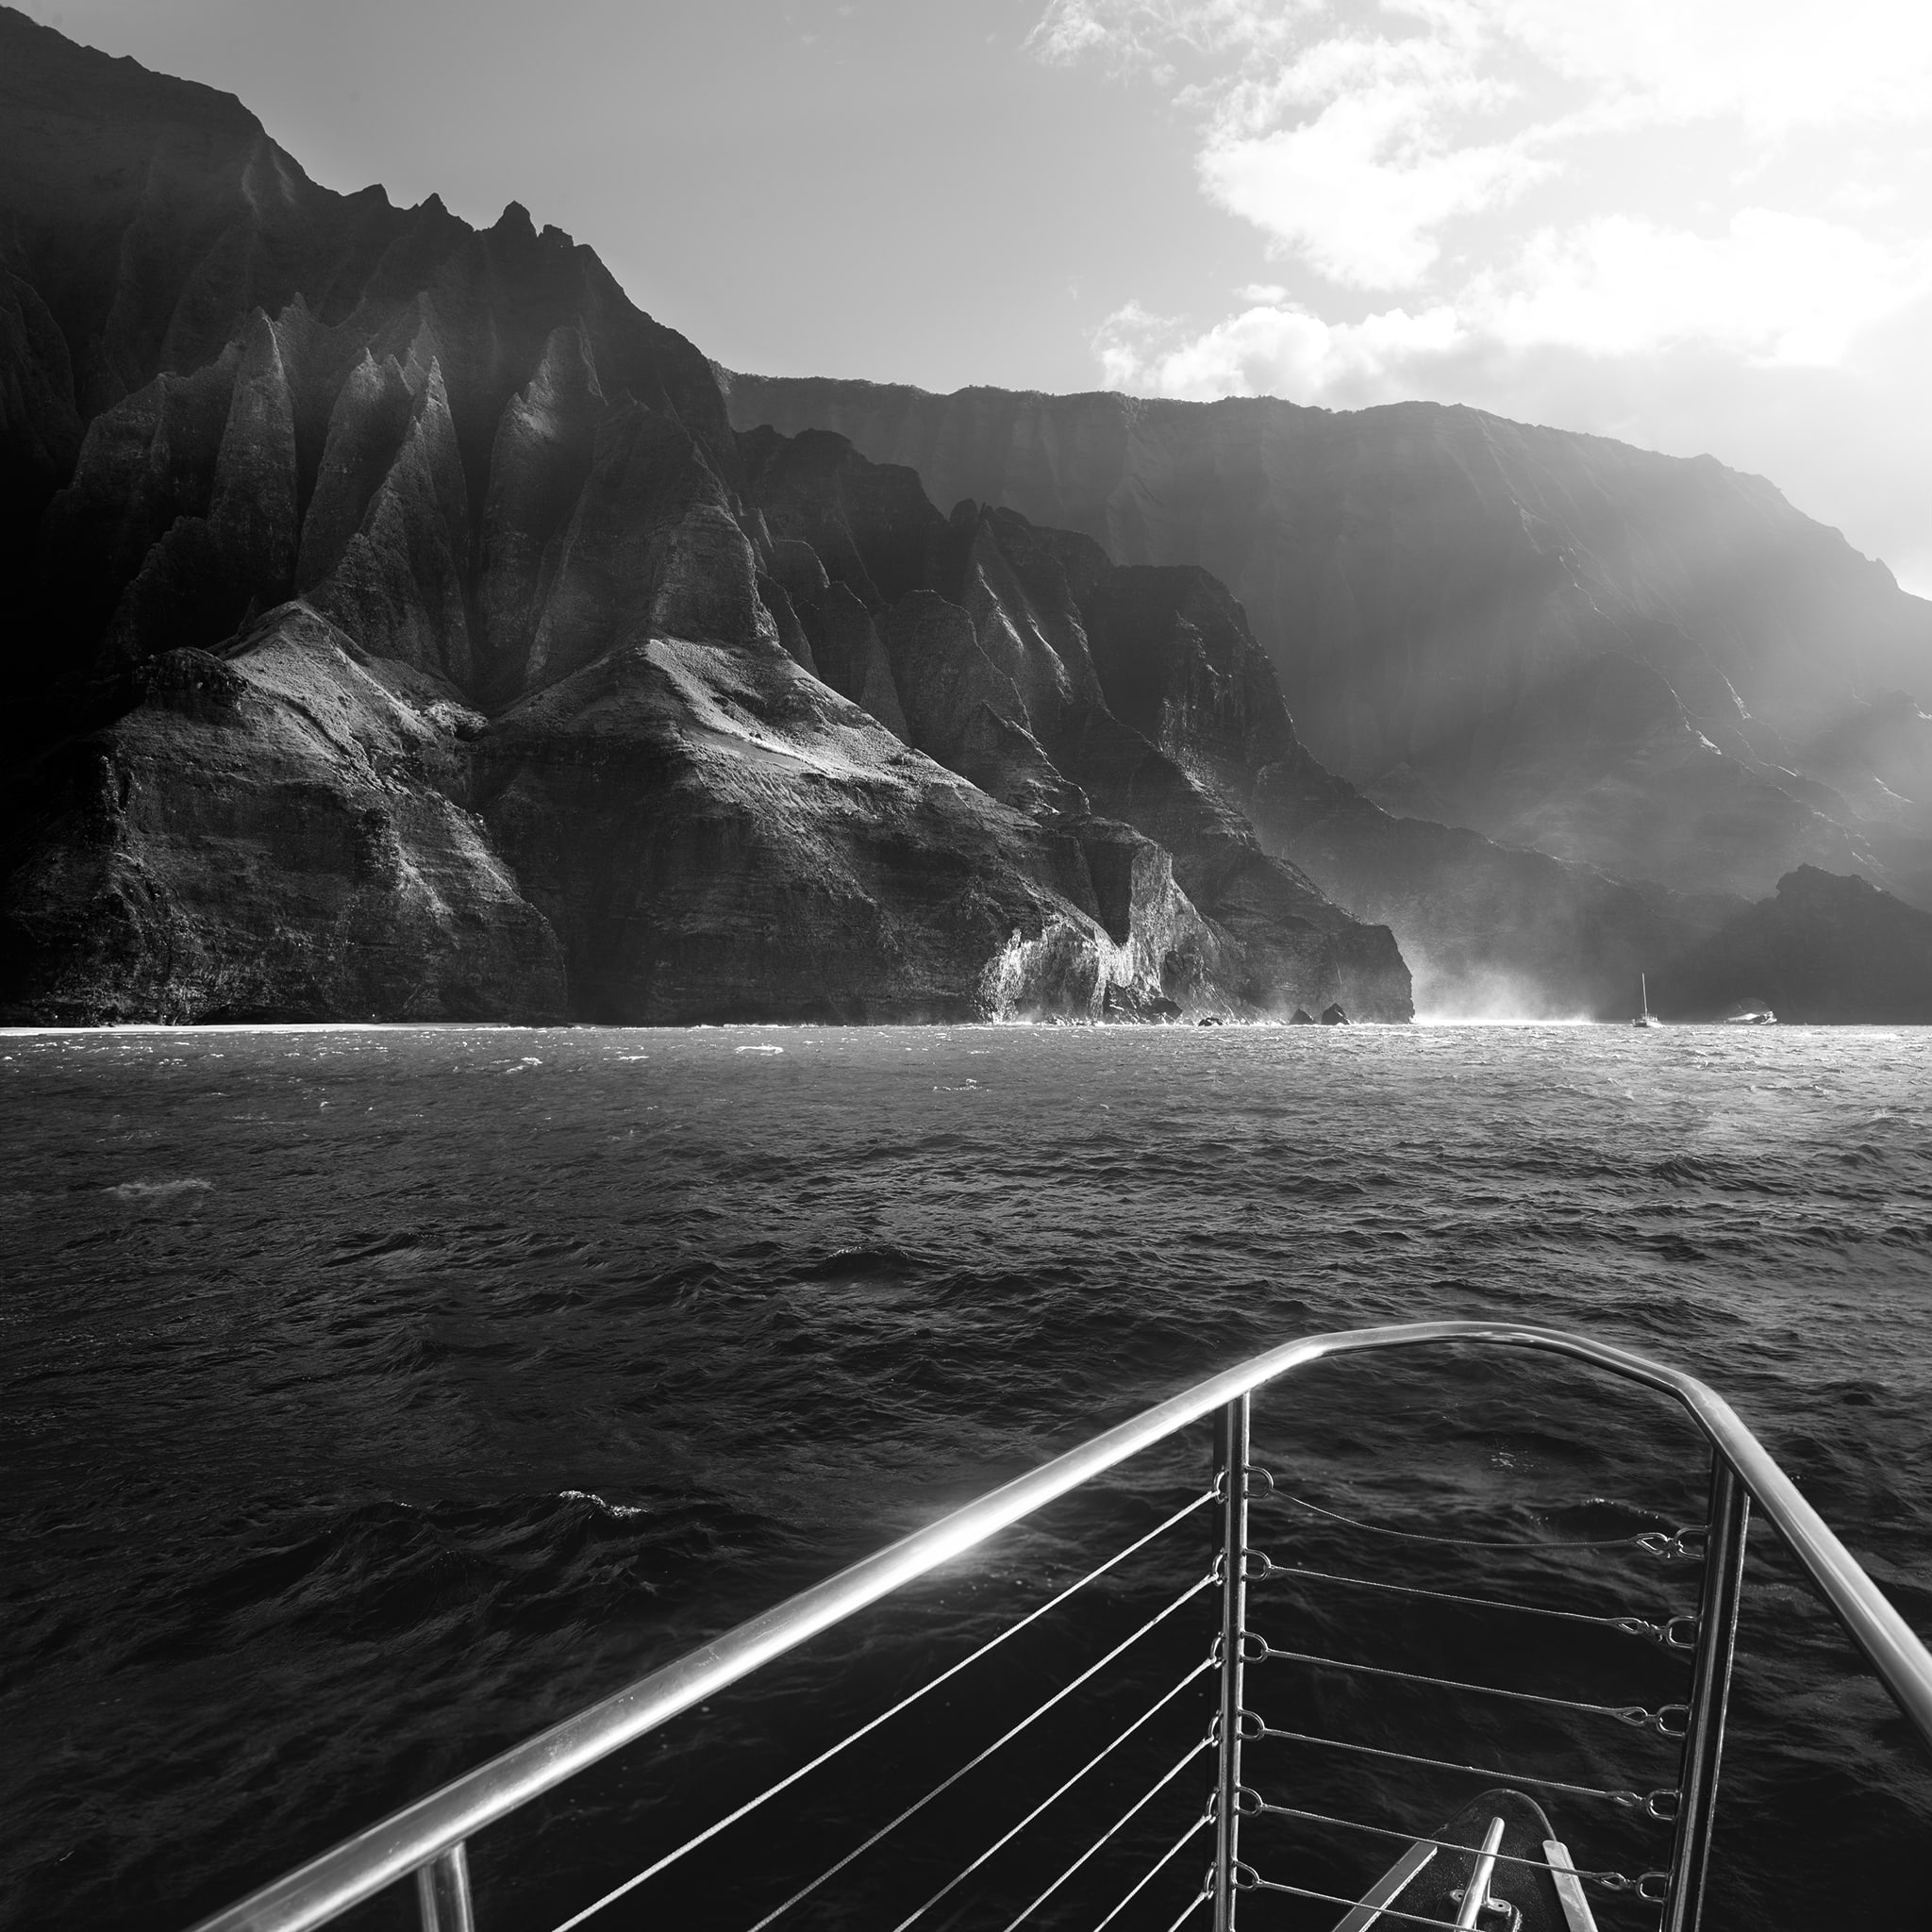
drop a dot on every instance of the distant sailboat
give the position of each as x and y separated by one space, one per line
1644 1017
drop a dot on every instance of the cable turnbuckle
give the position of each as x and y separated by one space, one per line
1251 1473
1678 1545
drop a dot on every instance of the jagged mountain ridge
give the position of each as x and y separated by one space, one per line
1645 664
142 220
402 567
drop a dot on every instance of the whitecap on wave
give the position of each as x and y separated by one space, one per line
159 1191
620 1510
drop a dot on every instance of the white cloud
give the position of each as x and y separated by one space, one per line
1273 349
1772 64
1773 290
1768 64
1354 136
1351 149
1143 33
1361 190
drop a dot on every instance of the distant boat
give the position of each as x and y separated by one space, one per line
1750 1016
1645 1017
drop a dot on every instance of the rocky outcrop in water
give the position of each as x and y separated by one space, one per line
403 631
1825 949
1649 666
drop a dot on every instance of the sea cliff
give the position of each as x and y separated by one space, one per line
405 632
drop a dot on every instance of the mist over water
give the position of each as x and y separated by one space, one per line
371 1397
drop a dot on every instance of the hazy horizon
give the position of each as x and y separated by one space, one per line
1689 229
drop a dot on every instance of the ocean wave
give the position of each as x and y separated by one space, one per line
160 1191
620 1511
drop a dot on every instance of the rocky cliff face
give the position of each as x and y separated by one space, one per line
1144 686
400 628
1636 663
978 633
269 833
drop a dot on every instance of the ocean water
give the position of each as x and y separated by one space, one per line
372 1397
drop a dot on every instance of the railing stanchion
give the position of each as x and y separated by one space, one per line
442 1892
1232 1429
1711 1690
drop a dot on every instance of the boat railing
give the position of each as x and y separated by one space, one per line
425 1843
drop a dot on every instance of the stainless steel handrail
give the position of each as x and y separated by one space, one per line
432 1827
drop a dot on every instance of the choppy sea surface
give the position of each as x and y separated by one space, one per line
371 1398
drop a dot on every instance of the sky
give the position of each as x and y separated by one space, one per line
1700 225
